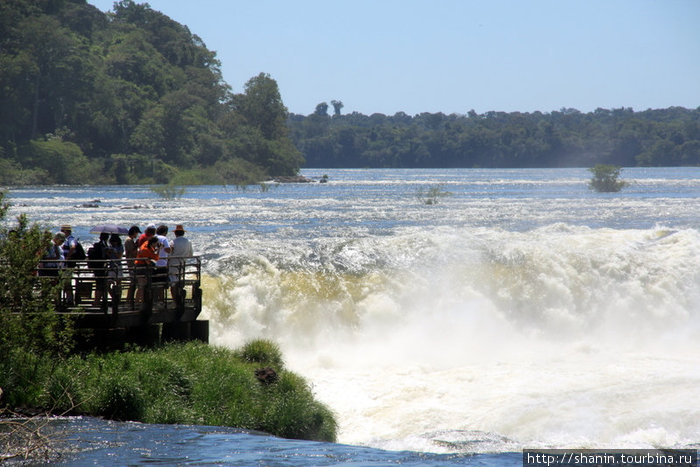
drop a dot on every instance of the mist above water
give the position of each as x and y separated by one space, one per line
484 339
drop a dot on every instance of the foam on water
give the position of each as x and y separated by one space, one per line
561 336
523 310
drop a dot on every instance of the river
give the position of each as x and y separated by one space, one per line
446 316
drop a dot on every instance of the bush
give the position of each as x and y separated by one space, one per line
191 383
432 195
294 413
63 161
261 351
121 398
169 191
605 178
237 171
27 318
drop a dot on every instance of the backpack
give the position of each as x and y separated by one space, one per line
78 253
95 252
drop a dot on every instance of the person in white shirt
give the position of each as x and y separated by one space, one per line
52 261
181 249
69 249
161 273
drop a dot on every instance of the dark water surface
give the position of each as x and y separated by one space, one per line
91 441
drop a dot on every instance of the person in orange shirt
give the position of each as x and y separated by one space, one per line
145 258
143 238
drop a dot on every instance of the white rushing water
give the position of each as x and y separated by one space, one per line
483 339
523 310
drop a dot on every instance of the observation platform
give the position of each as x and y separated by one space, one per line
118 302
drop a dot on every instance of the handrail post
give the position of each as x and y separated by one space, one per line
178 290
104 302
116 293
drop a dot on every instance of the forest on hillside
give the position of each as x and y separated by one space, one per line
128 96
565 138
132 96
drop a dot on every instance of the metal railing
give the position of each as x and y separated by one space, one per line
126 285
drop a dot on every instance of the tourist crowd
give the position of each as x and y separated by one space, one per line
148 255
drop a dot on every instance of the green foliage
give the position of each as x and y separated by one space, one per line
27 317
12 174
169 191
294 413
606 179
262 351
432 195
121 398
567 138
133 83
23 369
63 162
237 172
261 106
190 383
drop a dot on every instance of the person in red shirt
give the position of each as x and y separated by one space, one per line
150 231
145 258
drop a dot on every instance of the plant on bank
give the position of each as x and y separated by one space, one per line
606 179
32 335
190 383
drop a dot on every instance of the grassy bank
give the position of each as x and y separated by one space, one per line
190 383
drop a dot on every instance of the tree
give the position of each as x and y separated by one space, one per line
63 161
605 178
566 138
264 113
337 106
132 83
321 109
261 106
45 75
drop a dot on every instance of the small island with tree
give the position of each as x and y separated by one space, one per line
606 179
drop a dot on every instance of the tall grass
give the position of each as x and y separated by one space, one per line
191 383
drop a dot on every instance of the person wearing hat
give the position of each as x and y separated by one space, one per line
70 244
181 249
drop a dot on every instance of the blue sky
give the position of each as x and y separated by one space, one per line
452 56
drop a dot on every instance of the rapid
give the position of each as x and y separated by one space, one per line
482 339
518 310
